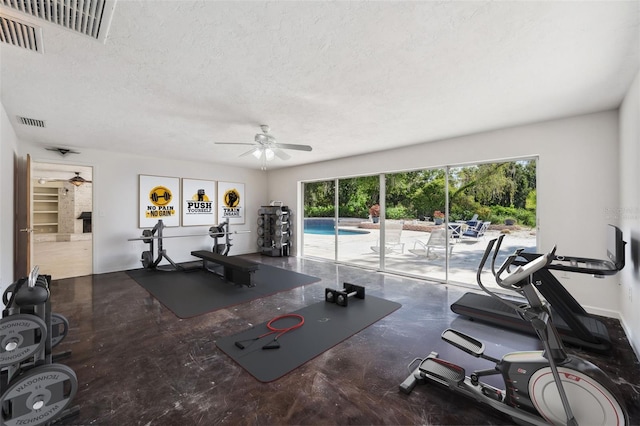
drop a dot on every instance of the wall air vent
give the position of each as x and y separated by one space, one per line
88 17
31 122
20 34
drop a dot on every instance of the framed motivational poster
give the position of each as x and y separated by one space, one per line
198 202
231 202
159 199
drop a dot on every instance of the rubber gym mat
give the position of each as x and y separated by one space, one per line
196 292
325 325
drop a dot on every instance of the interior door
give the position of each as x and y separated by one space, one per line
22 216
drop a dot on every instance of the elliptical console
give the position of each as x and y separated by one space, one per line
540 387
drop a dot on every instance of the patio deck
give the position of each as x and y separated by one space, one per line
465 258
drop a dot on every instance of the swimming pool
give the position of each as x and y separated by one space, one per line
326 227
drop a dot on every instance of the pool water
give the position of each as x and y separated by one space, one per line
330 231
326 227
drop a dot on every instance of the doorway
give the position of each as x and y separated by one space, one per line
61 209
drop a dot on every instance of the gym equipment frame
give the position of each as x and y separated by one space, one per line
575 325
149 236
540 386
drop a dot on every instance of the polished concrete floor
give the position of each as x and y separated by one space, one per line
138 364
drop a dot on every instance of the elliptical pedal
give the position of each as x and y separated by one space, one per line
464 342
442 371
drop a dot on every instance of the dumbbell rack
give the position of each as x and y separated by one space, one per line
274 230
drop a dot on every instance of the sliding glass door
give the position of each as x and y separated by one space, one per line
431 223
358 233
485 201
318 222
415 200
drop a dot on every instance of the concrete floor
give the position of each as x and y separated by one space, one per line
138 364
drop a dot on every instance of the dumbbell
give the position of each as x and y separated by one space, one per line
280 243
341 297
155 197
281 233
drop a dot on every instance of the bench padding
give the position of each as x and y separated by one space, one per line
236 269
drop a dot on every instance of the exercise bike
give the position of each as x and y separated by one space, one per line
541 387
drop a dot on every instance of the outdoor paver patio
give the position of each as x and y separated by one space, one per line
466 254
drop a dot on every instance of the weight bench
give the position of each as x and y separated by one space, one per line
236 270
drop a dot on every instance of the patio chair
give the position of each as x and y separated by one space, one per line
392 237
477 231
457 229
473 221
437 241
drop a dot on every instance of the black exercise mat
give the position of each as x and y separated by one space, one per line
325 325
196 292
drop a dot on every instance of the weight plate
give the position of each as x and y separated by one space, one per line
147 233
261 231
260 221
59 328
21 336
260 242
146 259
38 396
216 231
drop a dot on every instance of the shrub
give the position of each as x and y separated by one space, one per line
498 214
399 212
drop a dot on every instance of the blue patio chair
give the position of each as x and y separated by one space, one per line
476 231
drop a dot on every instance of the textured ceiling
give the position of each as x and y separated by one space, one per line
344 77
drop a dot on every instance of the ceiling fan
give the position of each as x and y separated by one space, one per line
77 180
266 148
62 151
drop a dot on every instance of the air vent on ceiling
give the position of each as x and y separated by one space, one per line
31 122
20 34
88 17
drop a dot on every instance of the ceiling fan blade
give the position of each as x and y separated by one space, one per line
280 153
292 146
234 143
251 151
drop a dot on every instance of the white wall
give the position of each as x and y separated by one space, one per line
577 184
8 143
629 213
115 204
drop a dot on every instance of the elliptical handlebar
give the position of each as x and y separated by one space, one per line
522 272
511 280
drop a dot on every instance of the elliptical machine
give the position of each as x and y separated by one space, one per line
541 387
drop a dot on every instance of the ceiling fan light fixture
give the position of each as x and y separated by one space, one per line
269 154
257 153
77 180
